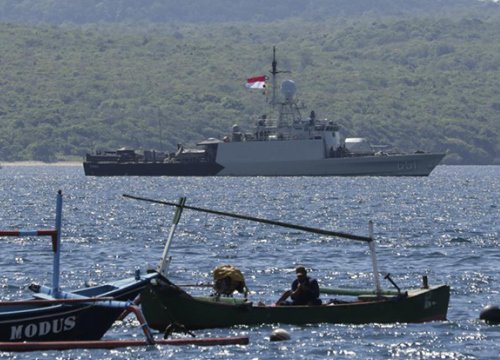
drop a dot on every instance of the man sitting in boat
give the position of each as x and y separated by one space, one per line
304 291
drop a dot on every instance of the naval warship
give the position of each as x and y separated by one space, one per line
287 144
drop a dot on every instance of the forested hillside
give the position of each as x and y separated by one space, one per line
210 11
421 83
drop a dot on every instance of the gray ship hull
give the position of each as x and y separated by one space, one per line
309 157
391 165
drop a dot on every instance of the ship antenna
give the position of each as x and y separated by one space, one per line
274 72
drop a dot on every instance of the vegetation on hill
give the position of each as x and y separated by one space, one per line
420 83
216 11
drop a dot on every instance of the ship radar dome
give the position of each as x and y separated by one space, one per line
288 89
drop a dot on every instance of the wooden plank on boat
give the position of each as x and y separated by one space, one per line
112 344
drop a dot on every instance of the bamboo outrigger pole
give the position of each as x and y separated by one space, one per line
57 253
261 220
165 260
181 205
55 234
371 245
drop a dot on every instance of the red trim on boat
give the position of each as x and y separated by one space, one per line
110 344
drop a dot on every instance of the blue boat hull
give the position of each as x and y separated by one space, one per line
65 322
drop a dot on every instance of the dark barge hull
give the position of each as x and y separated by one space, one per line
151 169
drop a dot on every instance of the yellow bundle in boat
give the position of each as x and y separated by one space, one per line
228 279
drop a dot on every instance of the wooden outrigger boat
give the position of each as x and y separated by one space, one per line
167 303
85 314
164 304
60 320
53 314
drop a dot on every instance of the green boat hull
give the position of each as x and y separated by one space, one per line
165 303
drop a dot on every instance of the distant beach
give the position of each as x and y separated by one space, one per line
40 163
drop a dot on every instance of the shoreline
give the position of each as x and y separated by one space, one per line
39 163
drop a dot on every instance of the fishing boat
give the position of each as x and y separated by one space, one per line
165 304
281 143
56 315
86 316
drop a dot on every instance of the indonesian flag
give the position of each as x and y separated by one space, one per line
257 82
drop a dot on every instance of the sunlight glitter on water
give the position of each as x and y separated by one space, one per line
441 226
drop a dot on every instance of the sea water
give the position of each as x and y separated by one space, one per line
445 226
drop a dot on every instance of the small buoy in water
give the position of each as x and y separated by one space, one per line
279 335
90 283
490 314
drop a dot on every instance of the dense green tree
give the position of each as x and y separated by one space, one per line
421 83
210 11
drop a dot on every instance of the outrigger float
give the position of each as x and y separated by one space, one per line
56 320
165 304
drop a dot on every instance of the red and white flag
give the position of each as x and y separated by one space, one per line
257 82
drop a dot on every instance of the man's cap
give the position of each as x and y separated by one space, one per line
301 270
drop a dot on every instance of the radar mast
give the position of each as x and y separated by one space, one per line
274 72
